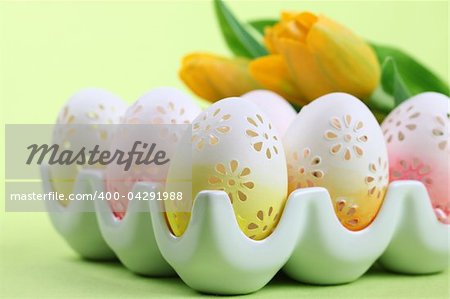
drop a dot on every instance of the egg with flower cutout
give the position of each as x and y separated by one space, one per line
234 148
280 112
417 137
155 118
84 121
336 143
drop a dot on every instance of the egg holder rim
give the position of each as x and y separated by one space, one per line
343 259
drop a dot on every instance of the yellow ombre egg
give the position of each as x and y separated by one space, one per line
336 143
236 149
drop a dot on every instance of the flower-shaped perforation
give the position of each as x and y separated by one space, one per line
347 213
262 136
94 115
163 115
170 115
413 169
232 179
209 129
347 137
378 179
66 117
264 222
398 124
304 169
441 130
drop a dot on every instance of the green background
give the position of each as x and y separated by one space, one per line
49 50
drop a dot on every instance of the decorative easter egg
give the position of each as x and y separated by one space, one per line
417 136
151 119
336 143
79 125
235 148
280 112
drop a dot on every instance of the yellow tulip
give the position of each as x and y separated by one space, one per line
272 73
214 77
319 55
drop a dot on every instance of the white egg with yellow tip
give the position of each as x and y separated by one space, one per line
336 143
235 148
83 122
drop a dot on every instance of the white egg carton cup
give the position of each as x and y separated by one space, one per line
99 235
132 237
309 243
79 228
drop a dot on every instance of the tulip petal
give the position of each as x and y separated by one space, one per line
323 56
345 59
193 76
214 77
272 73
292 26
302 64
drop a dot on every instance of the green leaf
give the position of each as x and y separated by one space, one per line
416 77
381 101
240 42
260 25
392 82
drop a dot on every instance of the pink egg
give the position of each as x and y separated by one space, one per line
280 112
417 136
151 119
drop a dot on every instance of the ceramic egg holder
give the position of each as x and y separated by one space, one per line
215 256
405 236
309 243
100 235
77 226
132 237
